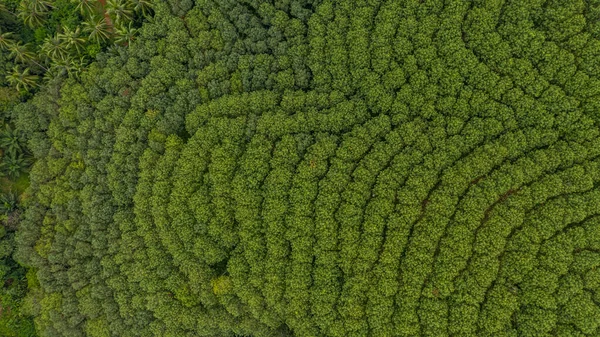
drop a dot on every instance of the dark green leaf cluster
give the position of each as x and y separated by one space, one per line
14 320
324 168
61 37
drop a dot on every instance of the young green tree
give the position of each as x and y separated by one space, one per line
8 202
14 164
10 140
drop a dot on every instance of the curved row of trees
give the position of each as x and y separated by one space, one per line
15 162
323 168
41 42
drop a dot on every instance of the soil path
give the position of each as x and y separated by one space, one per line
106 16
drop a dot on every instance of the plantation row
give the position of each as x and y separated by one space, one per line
310 212
324 168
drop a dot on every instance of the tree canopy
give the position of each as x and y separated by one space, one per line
321 168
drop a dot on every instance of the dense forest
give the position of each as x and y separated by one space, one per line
183 168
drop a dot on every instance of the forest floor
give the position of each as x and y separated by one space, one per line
106 16
19 186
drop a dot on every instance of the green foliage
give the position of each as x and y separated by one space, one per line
98 29
319 168
119 10
14 319
49 39
22 79
10 140
13 165
6 40
34 12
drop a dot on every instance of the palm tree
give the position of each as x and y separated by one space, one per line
22 80
21 52
144 6
98 29
14 165
126 34
38 5
8 202
73 39
69 65
6 41
33 12
54 47
53 71
119 10
86 7
76 66
10 140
